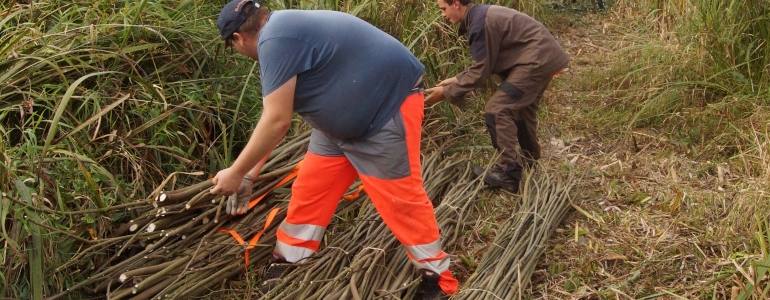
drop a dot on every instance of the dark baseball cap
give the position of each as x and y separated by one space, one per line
231 17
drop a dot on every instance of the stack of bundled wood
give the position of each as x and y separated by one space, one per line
182 243
505 270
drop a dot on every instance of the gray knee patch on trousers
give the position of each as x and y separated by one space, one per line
492 128
511 90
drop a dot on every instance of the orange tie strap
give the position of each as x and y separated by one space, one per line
292 175
558 72
238 239
255 239
270 216
354 195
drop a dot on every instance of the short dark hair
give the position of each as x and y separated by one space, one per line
462 2
252 25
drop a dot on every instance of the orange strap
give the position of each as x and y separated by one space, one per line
270 216
286 179
234 234
237 238
255 239
558 72
354 195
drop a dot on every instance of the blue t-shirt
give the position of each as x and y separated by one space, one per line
351 77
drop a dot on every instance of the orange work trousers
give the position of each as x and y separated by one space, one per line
388 164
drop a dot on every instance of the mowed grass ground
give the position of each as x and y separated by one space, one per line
659 221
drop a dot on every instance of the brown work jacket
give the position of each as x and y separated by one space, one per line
503 40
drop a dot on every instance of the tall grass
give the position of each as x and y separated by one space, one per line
99 101
704 80
102 100
697 72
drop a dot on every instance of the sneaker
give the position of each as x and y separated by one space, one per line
429 288
495 177
274 274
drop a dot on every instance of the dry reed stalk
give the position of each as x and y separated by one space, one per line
508 264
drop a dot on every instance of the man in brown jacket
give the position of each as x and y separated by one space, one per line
526 56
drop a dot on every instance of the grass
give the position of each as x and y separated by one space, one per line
665 106
674 136
100 102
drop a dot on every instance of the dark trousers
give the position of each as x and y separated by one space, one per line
511 118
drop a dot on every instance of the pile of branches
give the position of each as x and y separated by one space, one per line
179 244
507 266
182 244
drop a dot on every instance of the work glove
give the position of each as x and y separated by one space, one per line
238 203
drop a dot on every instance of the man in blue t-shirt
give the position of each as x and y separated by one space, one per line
360 90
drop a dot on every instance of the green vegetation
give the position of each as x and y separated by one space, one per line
672 111
702 82
702 85
100 101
